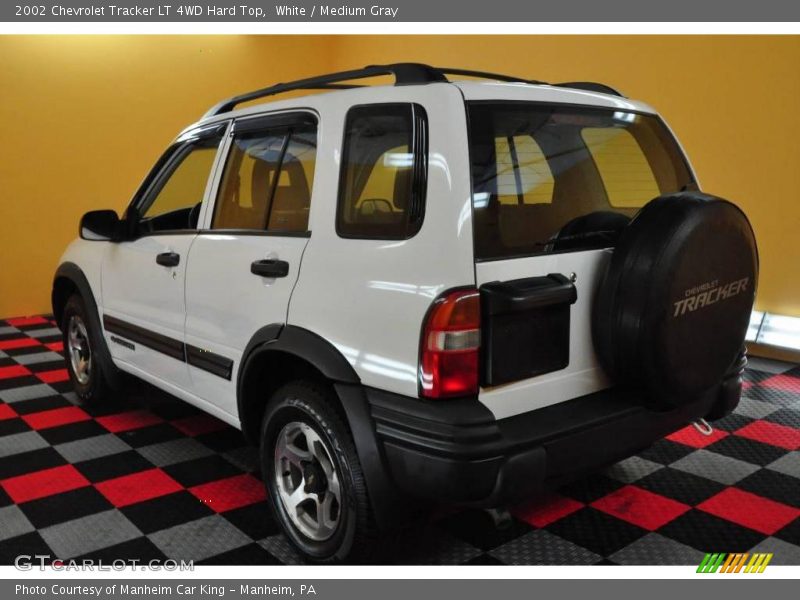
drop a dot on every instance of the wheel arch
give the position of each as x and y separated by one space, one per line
68 280
277 354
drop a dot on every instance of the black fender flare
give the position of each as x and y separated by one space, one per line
72 272
328 360
298 342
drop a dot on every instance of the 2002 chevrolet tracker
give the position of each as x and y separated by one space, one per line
456 291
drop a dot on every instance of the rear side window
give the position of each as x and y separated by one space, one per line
561 178
384 172
266 184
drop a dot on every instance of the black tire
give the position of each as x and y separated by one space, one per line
97 388
311 404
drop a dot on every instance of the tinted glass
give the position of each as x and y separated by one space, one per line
174 203
267 181
558 178
384 163
292 199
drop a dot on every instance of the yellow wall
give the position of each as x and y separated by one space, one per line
84 118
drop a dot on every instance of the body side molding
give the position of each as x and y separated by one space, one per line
216 364
155 341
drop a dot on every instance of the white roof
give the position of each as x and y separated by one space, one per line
472 90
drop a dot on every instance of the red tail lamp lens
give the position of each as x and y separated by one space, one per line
450 344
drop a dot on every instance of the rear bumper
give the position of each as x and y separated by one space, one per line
456 452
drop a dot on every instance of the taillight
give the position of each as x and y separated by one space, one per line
451 338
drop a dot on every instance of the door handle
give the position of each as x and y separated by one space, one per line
270 267
168 259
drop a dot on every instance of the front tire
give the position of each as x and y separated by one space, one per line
85 365
312 474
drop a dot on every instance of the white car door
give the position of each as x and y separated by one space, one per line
245 260
143 277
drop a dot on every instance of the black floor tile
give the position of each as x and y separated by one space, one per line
166 511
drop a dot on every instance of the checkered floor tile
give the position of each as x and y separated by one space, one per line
149 477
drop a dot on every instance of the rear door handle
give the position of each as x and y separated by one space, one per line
270 267
168 259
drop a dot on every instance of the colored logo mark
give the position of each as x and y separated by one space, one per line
735 563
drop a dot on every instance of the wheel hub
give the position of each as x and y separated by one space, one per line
79 349
315 480
307 481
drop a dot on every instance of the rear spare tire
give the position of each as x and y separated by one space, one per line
672 310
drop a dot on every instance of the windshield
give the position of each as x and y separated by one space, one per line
562 178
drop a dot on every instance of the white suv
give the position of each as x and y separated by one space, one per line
508 283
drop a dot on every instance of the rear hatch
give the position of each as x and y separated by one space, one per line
553 185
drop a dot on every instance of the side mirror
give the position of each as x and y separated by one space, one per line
100 226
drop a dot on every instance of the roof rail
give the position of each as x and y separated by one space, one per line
487 75
589 86
404 74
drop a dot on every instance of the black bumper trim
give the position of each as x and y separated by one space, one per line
456 452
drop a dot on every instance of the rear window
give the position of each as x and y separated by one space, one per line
559 178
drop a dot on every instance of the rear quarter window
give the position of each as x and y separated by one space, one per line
384 172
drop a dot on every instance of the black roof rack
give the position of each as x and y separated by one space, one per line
589 86
487 75
404 74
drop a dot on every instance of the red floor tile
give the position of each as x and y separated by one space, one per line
41 484
55 417
230 493
24 321
18 343
750 510
199 424
13 371
55 346
542 513
127 421
138 487
6 412
689 436
53 376
640 507
771 433
783 382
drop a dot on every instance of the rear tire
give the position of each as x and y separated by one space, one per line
86 366
313 476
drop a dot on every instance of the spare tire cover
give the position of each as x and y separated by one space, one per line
672 310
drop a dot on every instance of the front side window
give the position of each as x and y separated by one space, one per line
383 176
174 201
559 178
267 181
